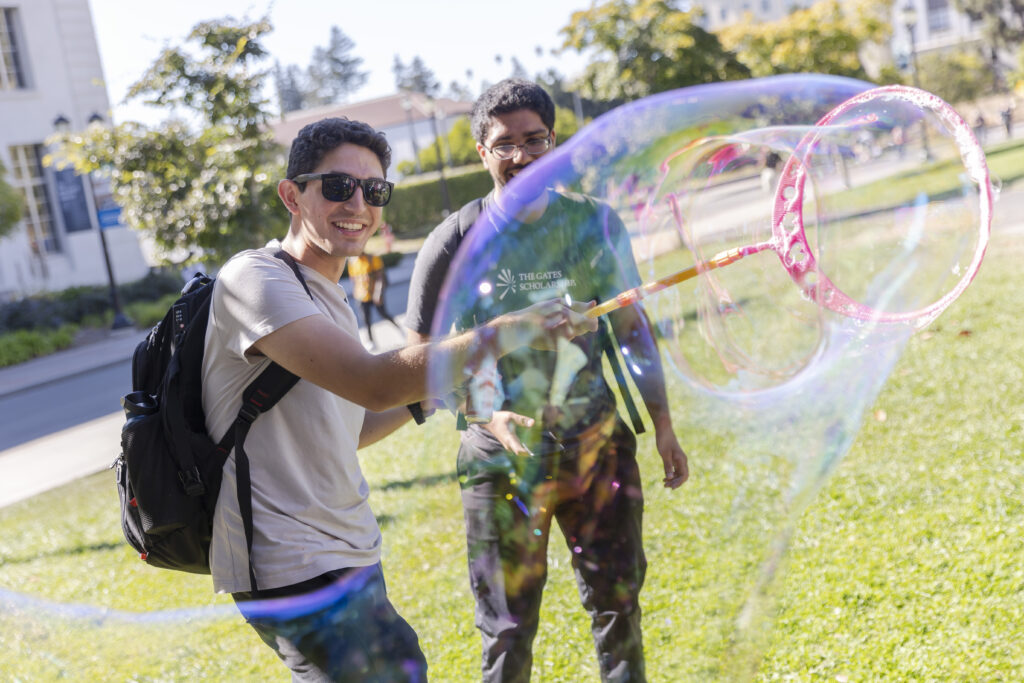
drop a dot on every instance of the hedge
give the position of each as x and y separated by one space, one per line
76 305
416 208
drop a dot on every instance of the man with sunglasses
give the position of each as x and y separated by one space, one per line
312 530
549 454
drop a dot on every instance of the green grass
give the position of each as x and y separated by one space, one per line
904 567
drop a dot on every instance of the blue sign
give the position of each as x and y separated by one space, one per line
109 218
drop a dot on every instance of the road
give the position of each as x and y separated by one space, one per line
67 402
63 403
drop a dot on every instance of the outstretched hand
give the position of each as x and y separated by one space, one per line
541 325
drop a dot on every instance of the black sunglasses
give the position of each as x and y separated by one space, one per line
338 187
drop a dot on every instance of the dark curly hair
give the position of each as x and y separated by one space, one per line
317 139
511 94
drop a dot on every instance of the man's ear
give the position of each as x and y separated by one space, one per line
289 192
482 151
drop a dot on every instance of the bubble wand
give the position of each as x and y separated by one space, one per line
792 246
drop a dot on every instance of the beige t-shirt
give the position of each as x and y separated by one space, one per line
309 497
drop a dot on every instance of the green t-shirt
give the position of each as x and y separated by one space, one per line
578 250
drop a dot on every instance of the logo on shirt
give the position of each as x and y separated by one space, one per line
538 281
506 282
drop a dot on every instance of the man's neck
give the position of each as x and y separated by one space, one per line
529 212
330 268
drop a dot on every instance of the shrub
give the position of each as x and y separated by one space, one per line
81 305
148 313
156 284
22 345
415 206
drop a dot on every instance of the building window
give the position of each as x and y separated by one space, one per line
12 71
938 16
27 176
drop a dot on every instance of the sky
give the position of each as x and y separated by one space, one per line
450 36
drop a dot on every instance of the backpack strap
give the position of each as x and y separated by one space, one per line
606 339
287 258
261 395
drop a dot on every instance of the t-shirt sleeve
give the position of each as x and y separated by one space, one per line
428 275
255 295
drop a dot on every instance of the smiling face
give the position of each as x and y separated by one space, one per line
323 232
513 128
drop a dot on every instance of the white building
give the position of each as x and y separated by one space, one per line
50 72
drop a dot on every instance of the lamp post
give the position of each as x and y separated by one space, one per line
407 106
435 112
908 15
61 125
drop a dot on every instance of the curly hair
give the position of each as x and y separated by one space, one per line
511 94
317 139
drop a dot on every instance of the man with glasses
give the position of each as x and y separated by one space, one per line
311 529
539 459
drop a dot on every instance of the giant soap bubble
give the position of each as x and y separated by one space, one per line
791 232
784 236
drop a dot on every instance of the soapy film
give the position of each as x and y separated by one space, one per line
825 221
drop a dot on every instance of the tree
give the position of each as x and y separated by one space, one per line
10 204
643 47
958 76
826 37
205 187
562 94
334 72
291 94
458 91
518 70
415 77
462 144
566 124
1002 30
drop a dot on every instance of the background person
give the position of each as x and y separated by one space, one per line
369 281
537 460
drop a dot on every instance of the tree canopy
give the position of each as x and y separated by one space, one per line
826 37
641 47
333 75
415 77
202 185
1002 30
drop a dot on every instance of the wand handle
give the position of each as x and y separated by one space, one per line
631 296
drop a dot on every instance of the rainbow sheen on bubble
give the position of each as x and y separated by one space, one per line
824 221
774 357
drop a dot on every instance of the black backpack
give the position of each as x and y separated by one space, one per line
169 469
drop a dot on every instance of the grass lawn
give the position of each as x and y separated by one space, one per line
905 566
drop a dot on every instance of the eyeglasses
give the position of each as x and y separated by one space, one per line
339 187
532 147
